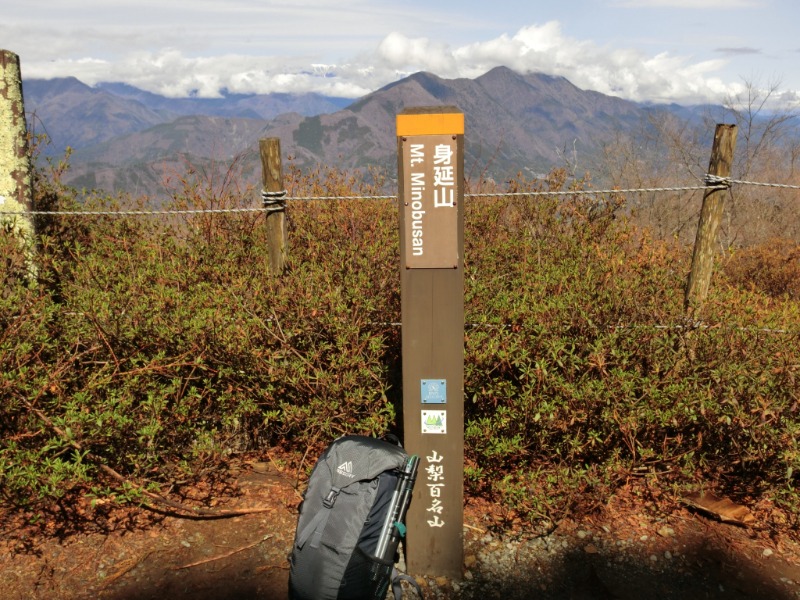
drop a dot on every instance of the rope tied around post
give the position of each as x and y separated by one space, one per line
717 181
273 201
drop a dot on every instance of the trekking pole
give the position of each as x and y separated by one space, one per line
393 527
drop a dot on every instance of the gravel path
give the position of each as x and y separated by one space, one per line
684 557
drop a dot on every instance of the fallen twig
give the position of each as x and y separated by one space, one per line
221 556
125 568
268 567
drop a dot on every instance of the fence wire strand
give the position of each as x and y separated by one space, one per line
276 201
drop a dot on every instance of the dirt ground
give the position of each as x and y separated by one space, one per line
619 553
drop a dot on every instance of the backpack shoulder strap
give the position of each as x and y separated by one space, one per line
316 526
397 577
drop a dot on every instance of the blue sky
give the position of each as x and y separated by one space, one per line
685 51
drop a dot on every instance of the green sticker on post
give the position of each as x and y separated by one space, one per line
434 421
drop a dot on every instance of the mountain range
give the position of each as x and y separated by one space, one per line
126 139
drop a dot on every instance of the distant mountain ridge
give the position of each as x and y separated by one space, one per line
123 137
253 106
74 114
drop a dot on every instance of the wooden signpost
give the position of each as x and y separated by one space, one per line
430 142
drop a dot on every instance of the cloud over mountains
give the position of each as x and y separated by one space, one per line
544 48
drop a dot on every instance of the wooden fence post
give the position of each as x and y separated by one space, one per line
274 202
710 217
16 188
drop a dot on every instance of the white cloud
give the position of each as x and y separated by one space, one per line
95 54
398 51
621 72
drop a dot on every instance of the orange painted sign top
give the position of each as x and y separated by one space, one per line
430 124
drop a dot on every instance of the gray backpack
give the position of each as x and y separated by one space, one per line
351 522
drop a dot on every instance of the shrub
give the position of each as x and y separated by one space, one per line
580 364
772 268
161 347
166 345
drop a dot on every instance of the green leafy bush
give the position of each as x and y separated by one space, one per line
580 364
771 268
159 347
165 345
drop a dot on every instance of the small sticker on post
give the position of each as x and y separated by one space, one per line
433 391
434 421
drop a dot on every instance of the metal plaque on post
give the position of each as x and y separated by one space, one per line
433 391
431 209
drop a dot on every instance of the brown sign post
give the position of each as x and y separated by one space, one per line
430 143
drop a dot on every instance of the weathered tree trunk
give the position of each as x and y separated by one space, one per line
16 188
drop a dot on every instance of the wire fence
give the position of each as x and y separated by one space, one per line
276 201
